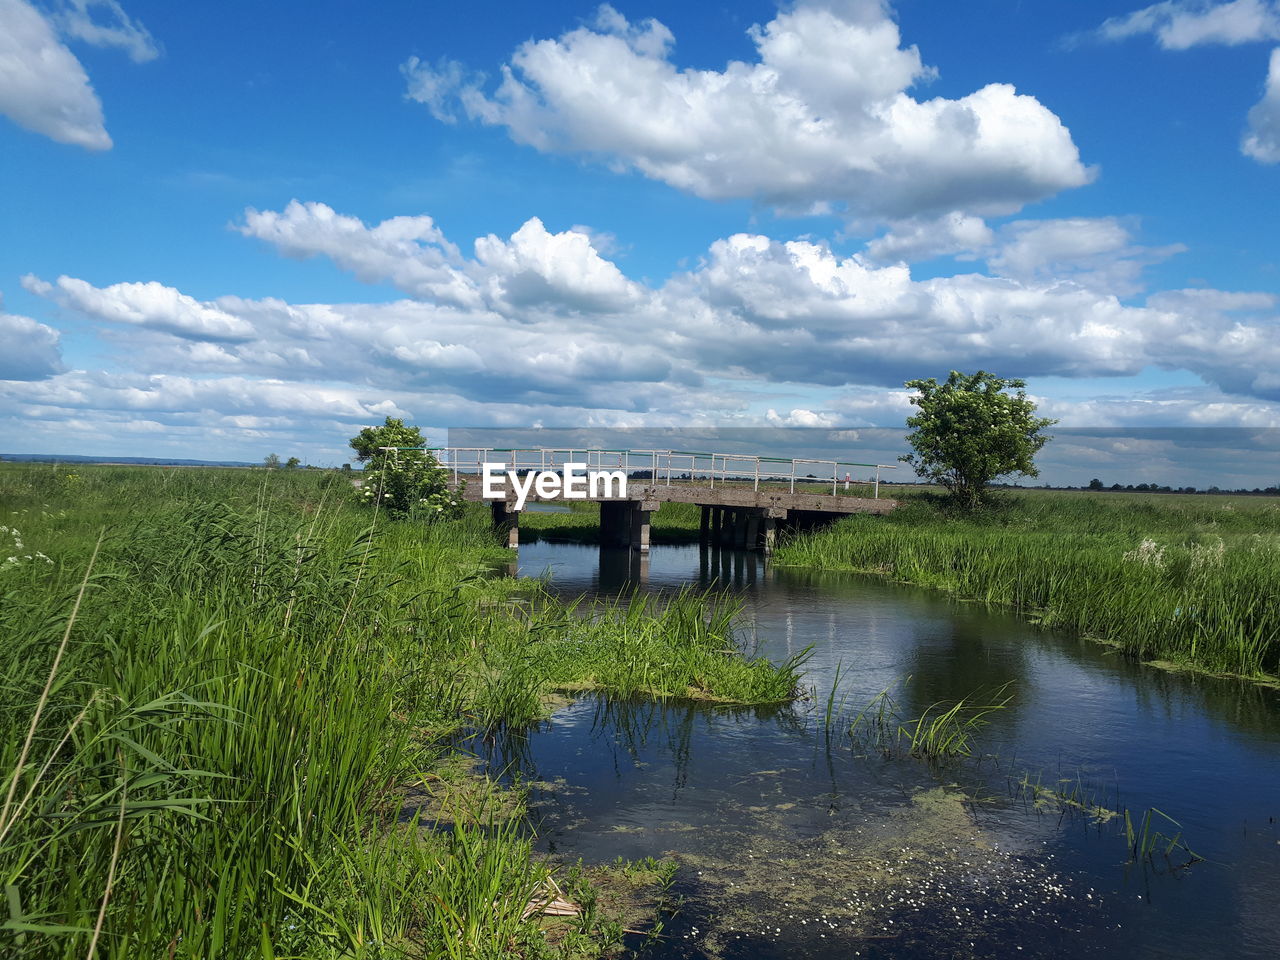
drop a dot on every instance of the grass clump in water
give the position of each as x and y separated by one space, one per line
942 730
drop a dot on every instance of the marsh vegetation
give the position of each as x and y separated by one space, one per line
220 686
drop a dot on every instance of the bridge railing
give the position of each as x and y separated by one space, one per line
667 466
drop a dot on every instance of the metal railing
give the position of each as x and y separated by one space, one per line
670 466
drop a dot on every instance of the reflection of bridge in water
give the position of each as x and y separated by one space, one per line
744 499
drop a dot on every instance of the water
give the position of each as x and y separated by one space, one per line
792 845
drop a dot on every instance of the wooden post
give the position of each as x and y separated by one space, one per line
703 524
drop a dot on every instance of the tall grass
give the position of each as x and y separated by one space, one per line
1190 580
215 691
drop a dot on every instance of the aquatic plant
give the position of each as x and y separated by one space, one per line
942 730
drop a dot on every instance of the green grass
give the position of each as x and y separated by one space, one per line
1189 580
220 685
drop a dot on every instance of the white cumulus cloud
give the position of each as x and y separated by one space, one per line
922 238
1097 252
1262 139
43 87
28 350
821 120
532 268
148 304
1182 24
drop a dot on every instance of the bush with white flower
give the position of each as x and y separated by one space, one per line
401 477
14 552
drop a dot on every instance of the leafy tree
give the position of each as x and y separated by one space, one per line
400 475
969 431
1095 484
293 463
271 461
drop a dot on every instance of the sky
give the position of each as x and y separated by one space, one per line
229 229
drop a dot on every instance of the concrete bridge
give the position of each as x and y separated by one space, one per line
745 499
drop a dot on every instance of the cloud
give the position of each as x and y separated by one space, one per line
551 331
754 310
28 350
43 87
822 120
76 20
1182 24
922 239
1095 252
1262 139
409 252
801 418
533 268
149 304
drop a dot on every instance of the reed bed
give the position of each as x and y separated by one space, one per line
1193 581
217 686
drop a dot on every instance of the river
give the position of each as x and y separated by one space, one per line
795 841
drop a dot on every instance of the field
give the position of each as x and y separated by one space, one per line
1190 581
221 686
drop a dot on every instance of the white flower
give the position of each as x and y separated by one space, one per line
1148 553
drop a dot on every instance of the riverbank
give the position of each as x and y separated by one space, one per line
1190 581
221 686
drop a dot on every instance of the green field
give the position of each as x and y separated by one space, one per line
1188 580
221 687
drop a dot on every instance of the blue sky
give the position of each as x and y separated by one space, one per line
235 228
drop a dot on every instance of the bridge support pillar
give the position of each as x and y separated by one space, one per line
507 523
704 521
615 523
626 523
768 535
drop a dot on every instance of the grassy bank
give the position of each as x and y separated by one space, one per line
220 686
671 523
1190 580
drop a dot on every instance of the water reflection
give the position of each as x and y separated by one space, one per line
721 787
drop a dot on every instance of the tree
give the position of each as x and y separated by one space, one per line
293 463
969 431
1095 484
400 475
271 461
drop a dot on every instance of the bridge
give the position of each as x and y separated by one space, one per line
744 498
